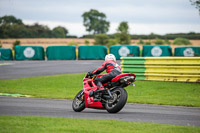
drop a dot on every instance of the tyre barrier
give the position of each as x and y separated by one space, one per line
177 69
187 51
125 51
61 52
92 52
156 50
29 53
6 54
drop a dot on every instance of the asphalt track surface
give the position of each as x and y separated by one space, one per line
188 116
19 69
131 112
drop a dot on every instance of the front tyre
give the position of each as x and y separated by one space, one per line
78 103
118 101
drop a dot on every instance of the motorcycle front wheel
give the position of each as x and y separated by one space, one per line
78 103
118 101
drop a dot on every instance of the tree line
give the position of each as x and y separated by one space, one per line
190 36
11 27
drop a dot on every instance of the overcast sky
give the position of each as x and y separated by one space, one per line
143 16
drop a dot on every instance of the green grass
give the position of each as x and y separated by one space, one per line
165 93
67 86
59 86
27 124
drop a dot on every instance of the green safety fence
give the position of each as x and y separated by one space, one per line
92 52
6 54
125 50
156 50
61 52
29 53
187 51
178 69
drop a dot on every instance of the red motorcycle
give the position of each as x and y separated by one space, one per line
111 96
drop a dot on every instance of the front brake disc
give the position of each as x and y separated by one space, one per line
113 99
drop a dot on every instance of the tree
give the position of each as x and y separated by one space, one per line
11 27
123 27
59 32
13 31
10 20
95 22
123 36
196 3
39 31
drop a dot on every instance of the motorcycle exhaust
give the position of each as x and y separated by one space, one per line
106 97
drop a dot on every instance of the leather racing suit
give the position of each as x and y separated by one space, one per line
112 69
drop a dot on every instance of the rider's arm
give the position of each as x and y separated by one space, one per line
100 69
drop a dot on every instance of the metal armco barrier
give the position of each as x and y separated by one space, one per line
177 69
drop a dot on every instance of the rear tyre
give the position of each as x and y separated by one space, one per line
78 103
118 101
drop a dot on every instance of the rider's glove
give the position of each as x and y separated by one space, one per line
90 73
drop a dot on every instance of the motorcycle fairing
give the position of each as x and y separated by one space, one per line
89 85
122 75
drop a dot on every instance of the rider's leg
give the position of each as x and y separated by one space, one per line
104 79
98 82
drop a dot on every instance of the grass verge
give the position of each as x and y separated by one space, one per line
29 124
67 86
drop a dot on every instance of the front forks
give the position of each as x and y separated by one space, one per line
80 96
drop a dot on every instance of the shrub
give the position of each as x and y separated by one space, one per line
73 43
17 42
123 38
181 41
148 42
140 41
158 41
167 42
111 42
101 39
87 42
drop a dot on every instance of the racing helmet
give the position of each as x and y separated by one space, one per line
110 57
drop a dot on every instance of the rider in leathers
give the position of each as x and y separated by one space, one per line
111 67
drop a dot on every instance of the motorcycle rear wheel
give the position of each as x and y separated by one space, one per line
78 103
118 101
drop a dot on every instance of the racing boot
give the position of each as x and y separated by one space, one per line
97 94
